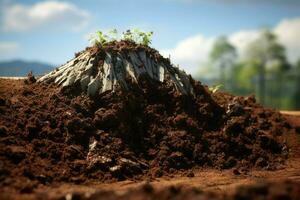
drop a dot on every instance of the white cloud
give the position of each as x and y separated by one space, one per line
192 53
288 32
242 39
8 47
47 15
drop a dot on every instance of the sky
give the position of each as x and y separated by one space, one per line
53 30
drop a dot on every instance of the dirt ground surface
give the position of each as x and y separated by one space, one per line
19 180
216 181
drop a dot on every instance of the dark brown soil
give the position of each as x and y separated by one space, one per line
49 137
124 46
295 121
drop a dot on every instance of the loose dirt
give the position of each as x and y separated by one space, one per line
54 138
39 153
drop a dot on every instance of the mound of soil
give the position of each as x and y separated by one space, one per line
51 134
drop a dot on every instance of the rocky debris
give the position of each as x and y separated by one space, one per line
234 108
96 74
118 167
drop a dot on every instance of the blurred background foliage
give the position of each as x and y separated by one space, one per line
263 71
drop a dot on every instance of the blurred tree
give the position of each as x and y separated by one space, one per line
223 55
265 54
242 77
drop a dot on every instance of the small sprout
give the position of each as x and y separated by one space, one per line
215 88
146 37
134 35
99 38
128 35
102 38
141 37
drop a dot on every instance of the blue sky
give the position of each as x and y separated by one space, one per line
52 31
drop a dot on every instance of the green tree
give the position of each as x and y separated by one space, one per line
242 78
266 54
223 55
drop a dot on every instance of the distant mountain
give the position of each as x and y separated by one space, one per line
22 68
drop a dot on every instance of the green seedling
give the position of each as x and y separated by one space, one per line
99 38
128 35
141 37
134 35
215 88
146 38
